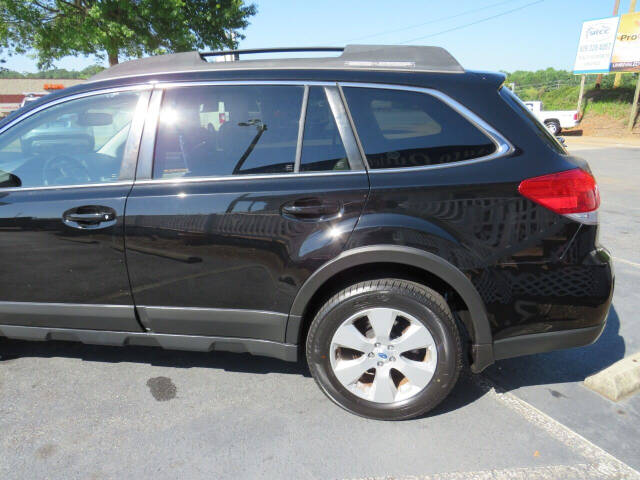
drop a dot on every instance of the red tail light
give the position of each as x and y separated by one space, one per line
575 116
572 191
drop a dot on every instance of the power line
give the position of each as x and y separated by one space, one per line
441 19
474 23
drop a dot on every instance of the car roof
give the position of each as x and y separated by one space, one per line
353 57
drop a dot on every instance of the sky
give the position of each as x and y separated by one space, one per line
482 34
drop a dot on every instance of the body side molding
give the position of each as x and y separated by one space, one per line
222 322
69 315
481 335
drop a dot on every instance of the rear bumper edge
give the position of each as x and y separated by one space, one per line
545 342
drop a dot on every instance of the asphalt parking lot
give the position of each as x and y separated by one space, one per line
74 411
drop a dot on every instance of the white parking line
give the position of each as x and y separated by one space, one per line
606 464
581 471
601 464
633 264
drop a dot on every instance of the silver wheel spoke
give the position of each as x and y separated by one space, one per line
349 371
384 390
418 373
382 320
349 336
414 337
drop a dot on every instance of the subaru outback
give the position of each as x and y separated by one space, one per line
383 213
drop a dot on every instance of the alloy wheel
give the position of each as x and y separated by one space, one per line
383 355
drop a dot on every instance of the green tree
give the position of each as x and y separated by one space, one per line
116 29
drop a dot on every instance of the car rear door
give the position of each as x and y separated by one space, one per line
243 192
65 172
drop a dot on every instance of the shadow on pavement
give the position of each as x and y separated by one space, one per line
561 366
234 362
465 392
556 367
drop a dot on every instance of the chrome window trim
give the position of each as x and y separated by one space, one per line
354 132
132 146
503 146
247 177
187 83
301 122
123 183
148 147
146 153
345 130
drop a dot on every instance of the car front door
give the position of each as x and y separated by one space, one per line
249 189
65 173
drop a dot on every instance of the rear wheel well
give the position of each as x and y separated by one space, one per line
374 271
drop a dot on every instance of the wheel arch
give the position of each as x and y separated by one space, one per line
415 259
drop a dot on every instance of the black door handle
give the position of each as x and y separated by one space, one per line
89 216
312 210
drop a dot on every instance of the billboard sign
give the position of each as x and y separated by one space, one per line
626 51
596 45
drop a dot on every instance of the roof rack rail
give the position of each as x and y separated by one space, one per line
272 50
403 58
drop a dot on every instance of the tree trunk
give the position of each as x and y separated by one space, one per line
113 58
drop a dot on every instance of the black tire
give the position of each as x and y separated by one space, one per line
425 305
553 126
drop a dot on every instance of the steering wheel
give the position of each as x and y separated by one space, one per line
65 170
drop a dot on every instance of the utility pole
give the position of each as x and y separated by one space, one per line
616 6
618 79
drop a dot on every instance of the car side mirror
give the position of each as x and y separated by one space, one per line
8 180
94 119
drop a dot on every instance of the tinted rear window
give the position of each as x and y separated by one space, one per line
411 129
538 127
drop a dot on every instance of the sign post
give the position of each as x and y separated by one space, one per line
581 95
626 55
634 107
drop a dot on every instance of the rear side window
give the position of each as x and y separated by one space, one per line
412 129
322 147
227 130
524 111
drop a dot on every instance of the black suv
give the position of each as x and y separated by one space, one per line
383 212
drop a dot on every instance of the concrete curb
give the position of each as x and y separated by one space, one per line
619 380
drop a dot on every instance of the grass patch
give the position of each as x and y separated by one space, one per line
612 102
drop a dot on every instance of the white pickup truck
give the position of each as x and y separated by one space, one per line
554 120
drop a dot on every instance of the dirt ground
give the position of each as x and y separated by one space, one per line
602 126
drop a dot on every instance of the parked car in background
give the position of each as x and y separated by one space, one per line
384 214
554 120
